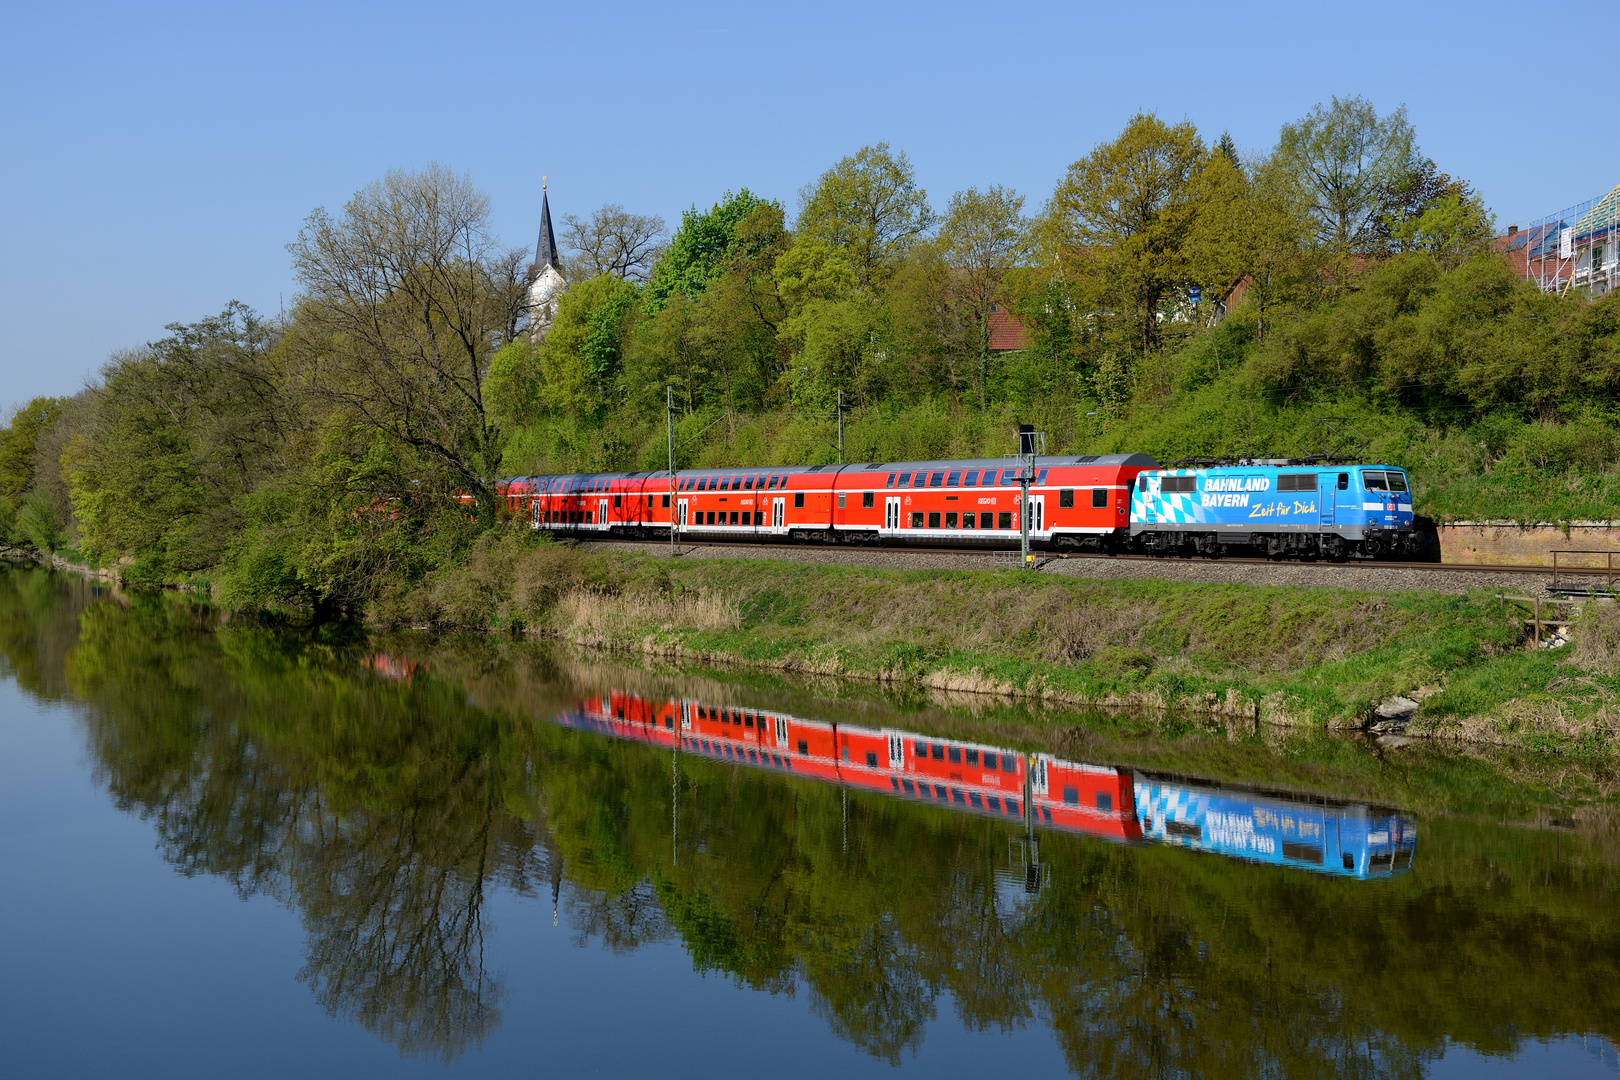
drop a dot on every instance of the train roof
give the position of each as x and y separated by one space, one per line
1145 461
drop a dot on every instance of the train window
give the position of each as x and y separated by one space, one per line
916 519
1105 801
994 802
1397 481
711 517
669 721
804 747
891 481
1009 477
871 760
770 485
840 500
1373 480
933 519
967 520
970 478
954 480
618 501
1004 519
956 795
666 502
1066 498
1099 498
905 480
1349 861
973 797
990 760
759 517
937 751
972 757
911 789
936 480
954 755
748 721
1071 795
734 517
1344 481
868 500
919 748
798 500
748 483
987 520
590 517
703 483
950 520
1040 481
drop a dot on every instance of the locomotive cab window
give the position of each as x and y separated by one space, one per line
1066 498
1099 498
1344 481
1397 481
1373 481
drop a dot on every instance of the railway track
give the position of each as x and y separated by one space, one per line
1044 557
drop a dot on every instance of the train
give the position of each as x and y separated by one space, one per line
1117 803
1103 503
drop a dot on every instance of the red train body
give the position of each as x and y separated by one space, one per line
1075 502
964 776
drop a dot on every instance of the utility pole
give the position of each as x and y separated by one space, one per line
840 427
1026 450
669 421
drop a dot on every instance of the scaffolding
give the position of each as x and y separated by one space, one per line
1578 247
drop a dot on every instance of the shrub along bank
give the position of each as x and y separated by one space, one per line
1323 657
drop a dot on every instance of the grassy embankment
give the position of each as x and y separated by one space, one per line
1314 657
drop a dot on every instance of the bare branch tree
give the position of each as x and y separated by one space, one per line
614 241
405 298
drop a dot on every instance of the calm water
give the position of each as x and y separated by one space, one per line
247 852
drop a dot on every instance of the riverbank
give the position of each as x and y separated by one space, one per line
1295 656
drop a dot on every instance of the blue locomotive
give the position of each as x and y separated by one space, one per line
1283 507
1347 839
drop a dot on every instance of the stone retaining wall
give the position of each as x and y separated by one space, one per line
1504 543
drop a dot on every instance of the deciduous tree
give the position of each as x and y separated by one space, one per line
870 205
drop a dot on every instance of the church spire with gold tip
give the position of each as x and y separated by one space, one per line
545 249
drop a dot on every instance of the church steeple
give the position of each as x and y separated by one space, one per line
545 249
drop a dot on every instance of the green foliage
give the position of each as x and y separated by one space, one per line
870 205
583 351
701 247
18 440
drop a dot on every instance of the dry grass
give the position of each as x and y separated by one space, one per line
1597 638
588 617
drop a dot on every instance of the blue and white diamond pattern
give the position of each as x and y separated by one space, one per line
1162 803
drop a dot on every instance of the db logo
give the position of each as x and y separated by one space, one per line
908 500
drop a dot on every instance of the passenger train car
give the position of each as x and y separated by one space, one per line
1276 507
1109 802
1086 503
1075 502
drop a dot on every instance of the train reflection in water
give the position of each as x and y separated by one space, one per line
1036 790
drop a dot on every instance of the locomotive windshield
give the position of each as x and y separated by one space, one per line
1373 481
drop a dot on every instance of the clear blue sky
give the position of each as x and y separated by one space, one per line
158 158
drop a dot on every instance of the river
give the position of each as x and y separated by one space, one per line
249 850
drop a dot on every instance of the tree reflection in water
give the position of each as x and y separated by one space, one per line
383 807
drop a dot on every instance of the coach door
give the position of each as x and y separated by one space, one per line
891 512
680 514
778 514
602 513
1324 497
1037 513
